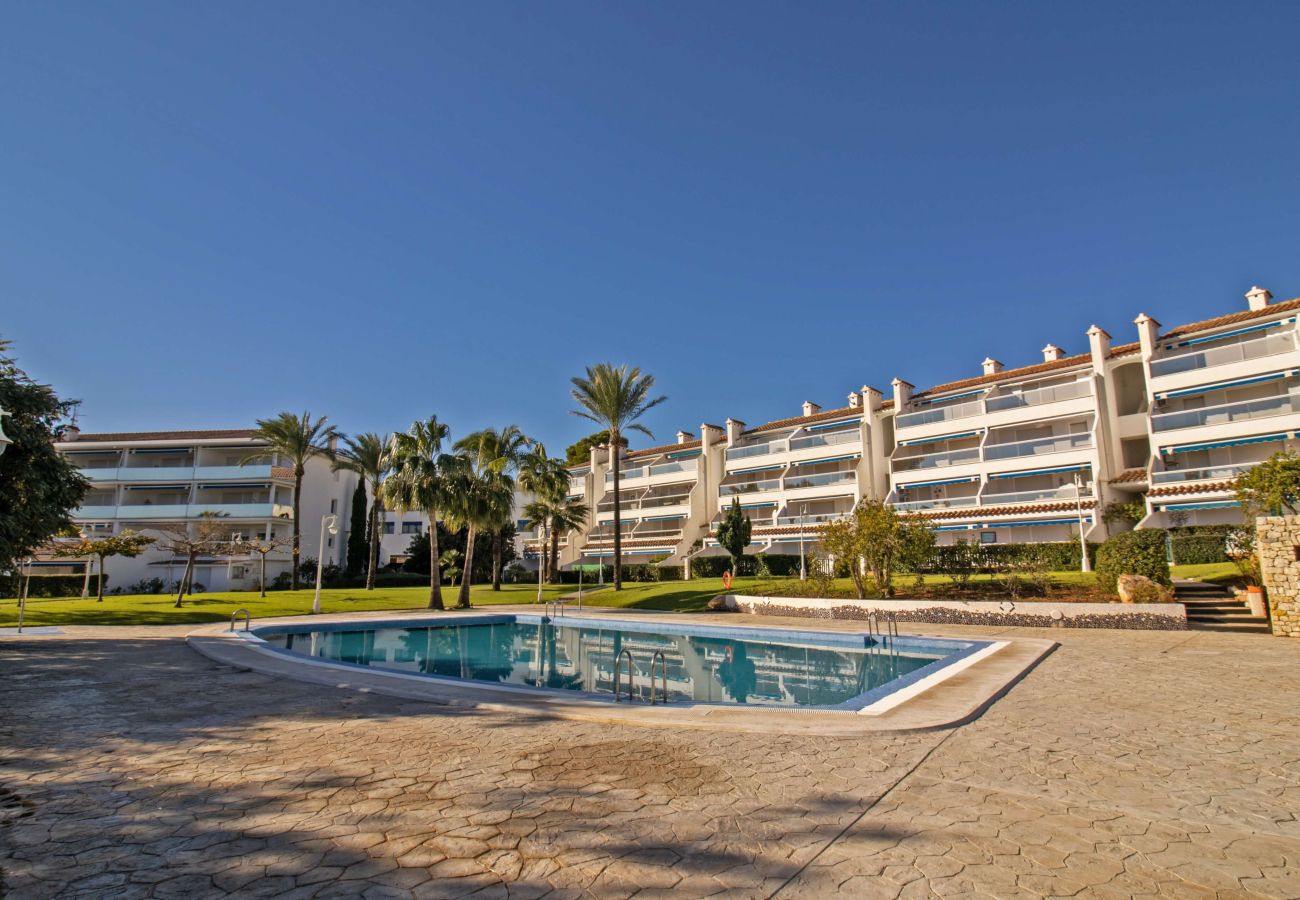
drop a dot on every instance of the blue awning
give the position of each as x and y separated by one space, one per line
757 505
758 469
1041 472
663 518
1222 504
955 528
181 487
930 400
1226 334
830 426
1223 385
829 459
1216 445
683 454
228 486
942 437
924 484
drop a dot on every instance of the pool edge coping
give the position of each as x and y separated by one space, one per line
955 694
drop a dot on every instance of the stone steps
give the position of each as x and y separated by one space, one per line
1212 608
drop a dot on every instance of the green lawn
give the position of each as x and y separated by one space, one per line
679 596
156 609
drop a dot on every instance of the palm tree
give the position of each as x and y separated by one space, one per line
419 478
560 515
485 490
547 480
615 397
367 456
298 439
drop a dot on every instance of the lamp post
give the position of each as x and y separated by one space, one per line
541 561
330 524
5 440
803 568
1078 507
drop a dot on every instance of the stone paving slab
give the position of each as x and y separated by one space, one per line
1125 764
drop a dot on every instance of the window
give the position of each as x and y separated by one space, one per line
388 527
330 542
412 528
334 505
988 537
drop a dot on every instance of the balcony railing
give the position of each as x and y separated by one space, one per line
937 460
1038 446
1066 492
1226 413
827 439
1053 394
648 471
185 511
1208 473
939 414
936 503
1190 360
811 519
793 482
177 473
755 450
751 487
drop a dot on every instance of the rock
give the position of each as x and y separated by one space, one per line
1140 589
719 604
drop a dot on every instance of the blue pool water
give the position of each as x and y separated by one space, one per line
703 664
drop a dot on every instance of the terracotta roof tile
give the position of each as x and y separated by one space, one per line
1130 476
281 472
124 436
1208 487
974 512
1068 362
1233 318
1125 349
634 543
665 448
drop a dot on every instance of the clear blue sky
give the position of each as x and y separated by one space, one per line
212 211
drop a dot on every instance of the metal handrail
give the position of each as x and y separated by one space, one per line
618 669
248 619
555 608
663 676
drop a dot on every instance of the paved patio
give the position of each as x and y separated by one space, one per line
1126 764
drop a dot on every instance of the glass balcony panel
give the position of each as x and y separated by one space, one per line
1065 492
1039 396
811 518
1191 359
939 414
751 487
827 439
754 450
936 460
1226 413
1209 473
1038 446
805 481
936 503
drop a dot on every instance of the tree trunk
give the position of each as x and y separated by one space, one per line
555 556
85 584
498 539
374 543
435 577
180 593
262 593
462 602
618 513
99 598
297 522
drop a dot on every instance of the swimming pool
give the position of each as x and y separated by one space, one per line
693 664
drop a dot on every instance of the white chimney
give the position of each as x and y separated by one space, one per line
991 366
1148 334
1257 298
1051 353
902 394
734 429
810 408
855 400
684 436
70 433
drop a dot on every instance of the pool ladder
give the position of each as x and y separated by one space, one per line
555 608
883 635
631 670
248 619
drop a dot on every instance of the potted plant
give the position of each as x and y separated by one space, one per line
1241 550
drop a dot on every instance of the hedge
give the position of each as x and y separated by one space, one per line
990 558
1133 553
61 585
1200 544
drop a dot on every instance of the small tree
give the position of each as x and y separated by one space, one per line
262 549
357 546
127 544
734 532
208 537
1271 488
842 539
877 537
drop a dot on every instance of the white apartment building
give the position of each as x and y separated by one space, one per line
1027 454
153 482
399 528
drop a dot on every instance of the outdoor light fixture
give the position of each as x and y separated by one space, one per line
1078 506
5 440
327 524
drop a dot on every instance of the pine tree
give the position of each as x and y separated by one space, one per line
357 546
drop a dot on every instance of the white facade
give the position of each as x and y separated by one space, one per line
148 482
1031 454
398 529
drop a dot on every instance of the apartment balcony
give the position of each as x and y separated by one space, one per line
1038 446
810 519
1207 473
1193 358
812 441
1227 413
174 511
1039 396
750 487
1057 494
1004 408
936 460
649 472
161 474
936 503
825 479
939 414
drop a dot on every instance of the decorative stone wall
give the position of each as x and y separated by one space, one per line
1277 540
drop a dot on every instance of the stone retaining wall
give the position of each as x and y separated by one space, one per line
1039 614
1276 541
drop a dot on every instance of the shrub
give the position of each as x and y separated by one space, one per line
1201 544
961 559
779 564
1133 553
58 585
714 566
145 586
